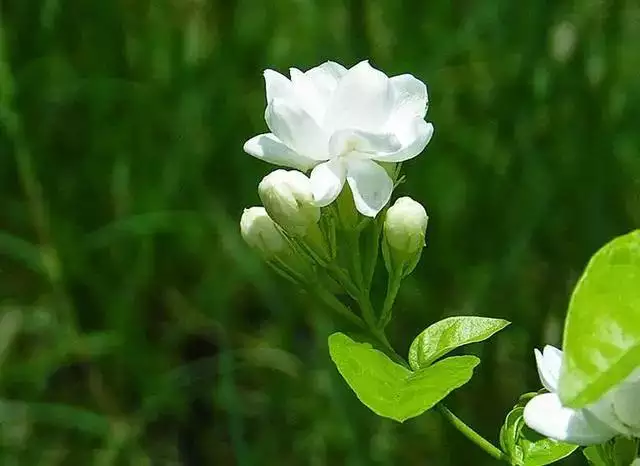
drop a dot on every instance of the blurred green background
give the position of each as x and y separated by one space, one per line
135 326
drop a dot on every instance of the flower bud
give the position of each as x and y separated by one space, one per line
405 226
261 233
288 199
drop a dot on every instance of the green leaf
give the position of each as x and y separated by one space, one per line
539 450
391 390
620 451
624 450
602 330
526 447
28 254
599 455
58 415
510 433
449 334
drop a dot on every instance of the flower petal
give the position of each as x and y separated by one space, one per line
326 77
327 180
414 139
362 100
619 408
297 129
549 363
546 415
269 148
626 405
307 95
370 184
410 97
348 140
277 86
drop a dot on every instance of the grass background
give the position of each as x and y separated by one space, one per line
136 328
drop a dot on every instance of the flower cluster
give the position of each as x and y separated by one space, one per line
337 127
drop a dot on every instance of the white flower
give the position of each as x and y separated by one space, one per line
616 413
340 123
405 226
287 196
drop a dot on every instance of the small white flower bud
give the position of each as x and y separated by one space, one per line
261 232
288 199
405 226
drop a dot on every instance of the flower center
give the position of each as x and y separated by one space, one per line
350 145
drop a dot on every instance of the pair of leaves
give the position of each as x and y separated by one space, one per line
394 391
602 330
525 447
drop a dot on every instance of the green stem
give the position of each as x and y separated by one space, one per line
472 434
378 334
334 303
382 338
368 313
343 279
372 247
393 286
356 265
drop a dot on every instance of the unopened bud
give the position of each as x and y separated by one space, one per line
288 198
405 226
261 233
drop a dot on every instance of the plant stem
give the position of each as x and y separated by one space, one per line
356 264
472 434
344 280
393 286
368 313
333 303
372 247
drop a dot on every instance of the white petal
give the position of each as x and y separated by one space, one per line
348 140
415 138
546 415
626 405
362 100
327 180
370 184
549 364
269 148
620 408
307 95
297 129
410 97
277 86
326 78
604 410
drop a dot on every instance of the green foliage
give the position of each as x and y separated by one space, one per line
391 390
526 447
620 451
122 179
449 334
602 331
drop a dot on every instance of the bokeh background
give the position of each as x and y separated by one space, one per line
135 326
